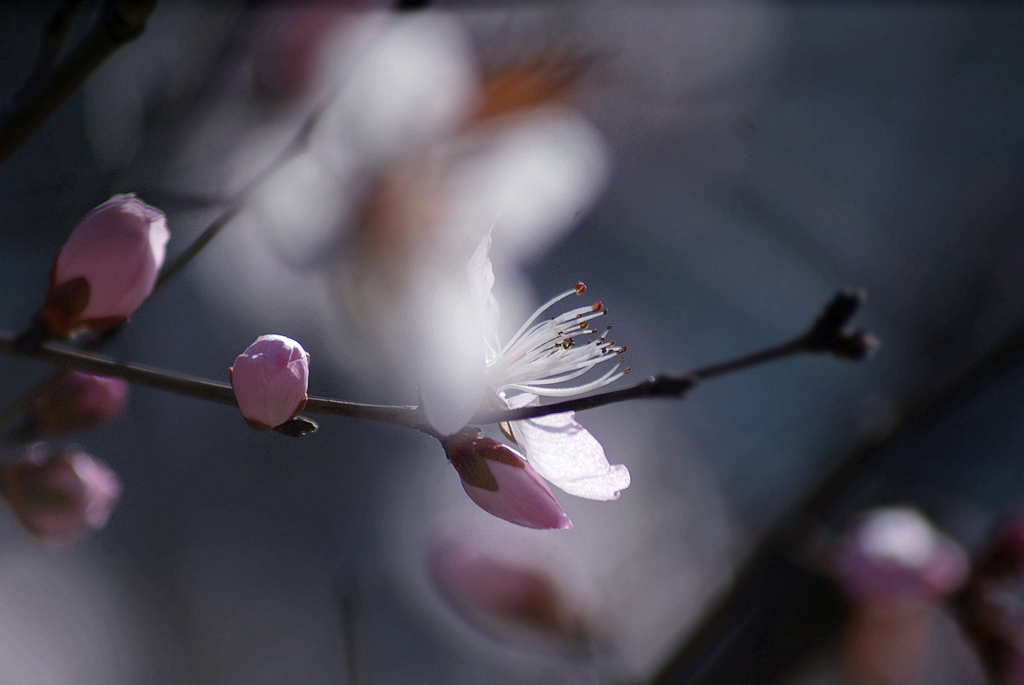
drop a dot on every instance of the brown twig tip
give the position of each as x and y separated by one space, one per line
830 334
856 346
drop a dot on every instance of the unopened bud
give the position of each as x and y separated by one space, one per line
107 268
270 380
73 401
502 483
59 497
895 553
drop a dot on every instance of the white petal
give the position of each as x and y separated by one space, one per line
403 81
532 179
481 280
567 455
445 349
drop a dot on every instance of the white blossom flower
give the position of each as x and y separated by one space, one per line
543 359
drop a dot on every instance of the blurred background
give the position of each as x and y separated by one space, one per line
713 172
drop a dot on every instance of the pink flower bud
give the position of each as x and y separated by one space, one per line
501 483
503 591
896 554
74 401
270 380
107 268
59 497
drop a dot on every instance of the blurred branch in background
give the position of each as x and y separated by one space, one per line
119 22
779 608
829 334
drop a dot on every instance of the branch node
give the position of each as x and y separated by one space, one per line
671 385
30 341
298 427
830 334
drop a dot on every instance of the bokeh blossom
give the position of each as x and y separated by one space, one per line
59 496
896 566
501 593
73 401
994 606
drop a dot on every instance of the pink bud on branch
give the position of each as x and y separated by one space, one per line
73 401
270 380
107 268
59 497
501 483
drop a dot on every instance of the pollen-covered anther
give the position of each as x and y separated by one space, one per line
527 363
580 288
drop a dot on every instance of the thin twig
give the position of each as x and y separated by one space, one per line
54 36
663 385
294 145
213 391
119 22
827 335
234 205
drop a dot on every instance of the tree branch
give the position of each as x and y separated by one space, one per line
827 335
299 139
54 36
213 391
119 22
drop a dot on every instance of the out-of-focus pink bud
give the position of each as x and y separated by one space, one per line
107 268
501 591
993 616
74 401
59 497
895 566
270 380
500 482
895 553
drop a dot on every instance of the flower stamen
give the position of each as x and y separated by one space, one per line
541 355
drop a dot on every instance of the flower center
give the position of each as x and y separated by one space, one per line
541 358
